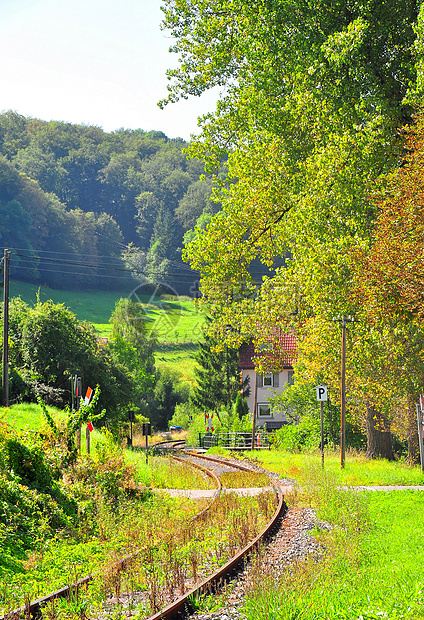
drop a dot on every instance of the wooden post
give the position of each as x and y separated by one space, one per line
420 436
5 358
87 439
77 406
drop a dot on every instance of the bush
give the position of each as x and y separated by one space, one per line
298 437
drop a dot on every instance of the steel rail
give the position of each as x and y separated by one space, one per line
220 460
183 606
160 444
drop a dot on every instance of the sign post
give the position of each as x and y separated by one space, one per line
146 431
321 398
131 418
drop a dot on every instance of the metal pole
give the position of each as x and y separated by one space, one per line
147 449
255 405
343 396
5 360
322 433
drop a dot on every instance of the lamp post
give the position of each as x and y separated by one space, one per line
343 320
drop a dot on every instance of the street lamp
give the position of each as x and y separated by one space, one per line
343 320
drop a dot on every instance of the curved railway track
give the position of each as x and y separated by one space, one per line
183 605
212 584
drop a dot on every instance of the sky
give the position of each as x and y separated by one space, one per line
96 62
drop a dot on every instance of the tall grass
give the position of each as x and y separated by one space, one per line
372 564
163 472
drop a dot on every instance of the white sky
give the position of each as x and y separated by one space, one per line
98 62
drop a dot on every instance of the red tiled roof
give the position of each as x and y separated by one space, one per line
281 352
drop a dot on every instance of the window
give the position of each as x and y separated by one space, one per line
268 380
264 410
290 377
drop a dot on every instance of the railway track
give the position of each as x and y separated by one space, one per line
183 605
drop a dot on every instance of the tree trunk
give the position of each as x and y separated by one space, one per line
379 439
412 434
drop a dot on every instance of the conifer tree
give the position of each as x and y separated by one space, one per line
217 376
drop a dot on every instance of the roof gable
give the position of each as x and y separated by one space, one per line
280 352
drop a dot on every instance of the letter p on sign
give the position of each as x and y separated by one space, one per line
321 392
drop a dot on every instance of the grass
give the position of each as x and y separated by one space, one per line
179 357
28 416
162 472
244 480
372 563
358 470
173 319
93 306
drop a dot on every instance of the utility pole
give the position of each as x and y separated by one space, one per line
343 320
5 360
255 406
343 397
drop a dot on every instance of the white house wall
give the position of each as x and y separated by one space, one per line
264 394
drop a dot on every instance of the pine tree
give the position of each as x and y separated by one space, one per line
217 376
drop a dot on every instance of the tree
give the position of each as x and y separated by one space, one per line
309 122
165 398
133 349
217 377
389 274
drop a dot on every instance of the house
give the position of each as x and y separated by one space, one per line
281 353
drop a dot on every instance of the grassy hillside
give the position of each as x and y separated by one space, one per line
175 320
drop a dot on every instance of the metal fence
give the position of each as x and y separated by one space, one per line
234 441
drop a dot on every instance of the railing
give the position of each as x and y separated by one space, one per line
234 441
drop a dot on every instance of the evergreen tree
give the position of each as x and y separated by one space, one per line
217 376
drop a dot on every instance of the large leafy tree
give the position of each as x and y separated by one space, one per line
133 349
389 277
315 95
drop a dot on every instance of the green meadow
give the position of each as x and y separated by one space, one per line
175 321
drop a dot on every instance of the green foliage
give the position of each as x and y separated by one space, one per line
240 407
133 348
72 197
30 496
168 392
49 346
310 122
182 415
217 376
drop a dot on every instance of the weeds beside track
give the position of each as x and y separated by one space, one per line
133 567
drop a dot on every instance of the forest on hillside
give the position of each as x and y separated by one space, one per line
82 207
